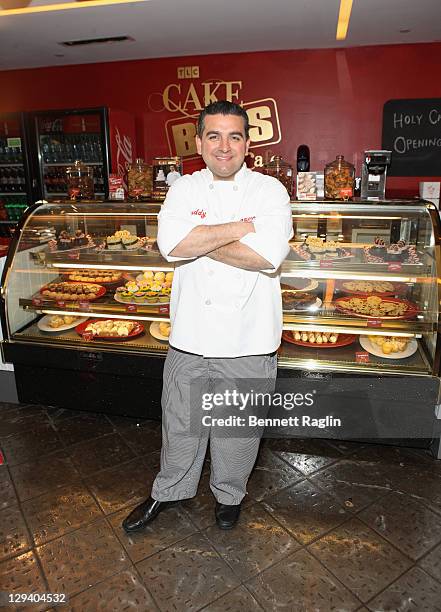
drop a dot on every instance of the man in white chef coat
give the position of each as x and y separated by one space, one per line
228 230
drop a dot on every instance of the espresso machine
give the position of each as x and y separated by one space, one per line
373 174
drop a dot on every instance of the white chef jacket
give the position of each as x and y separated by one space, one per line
217 310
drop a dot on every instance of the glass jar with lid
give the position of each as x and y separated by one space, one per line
281 170
339 179
79 178
139 180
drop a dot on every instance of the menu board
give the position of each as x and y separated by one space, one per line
412 131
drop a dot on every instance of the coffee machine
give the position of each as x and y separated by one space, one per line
373 174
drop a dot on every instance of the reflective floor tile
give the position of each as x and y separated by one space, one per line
423 485
270 474
58 512
82 427
123 592
239 600
14 536
389 455
307 456
415 590
121 486
305 511
143 437
99 454
22 575
42 475
28 445
79 559
355 485
57 414
300 584
201 507
405 522
256 542
432 562
187 575
360 559
20 419
169 527
8 496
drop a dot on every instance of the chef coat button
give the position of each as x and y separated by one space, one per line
208 302
211 186
235 188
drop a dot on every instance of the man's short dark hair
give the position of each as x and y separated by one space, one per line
223 107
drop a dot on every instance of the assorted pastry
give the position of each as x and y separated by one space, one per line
72 291
315 337
149 287
94 276
57 321
113 327
297 300
122 240
399 252
368 286
70 240
374 306
164 329
390 344
316 248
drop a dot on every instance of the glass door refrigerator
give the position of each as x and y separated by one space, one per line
15 182
102 138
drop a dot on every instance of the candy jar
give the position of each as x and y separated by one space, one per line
79 178
339 179
281 170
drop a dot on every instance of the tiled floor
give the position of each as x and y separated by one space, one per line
326 526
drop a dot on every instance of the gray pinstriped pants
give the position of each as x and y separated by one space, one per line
184 448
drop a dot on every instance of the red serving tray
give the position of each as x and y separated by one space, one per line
136 331
343 340
412 310
398 288
101 291
102 284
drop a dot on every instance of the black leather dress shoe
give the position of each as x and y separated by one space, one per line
226 516
144 513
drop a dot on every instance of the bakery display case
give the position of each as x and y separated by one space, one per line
85 300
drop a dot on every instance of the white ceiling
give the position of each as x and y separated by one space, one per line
167 28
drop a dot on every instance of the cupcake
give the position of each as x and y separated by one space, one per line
393 253
139 297
379 248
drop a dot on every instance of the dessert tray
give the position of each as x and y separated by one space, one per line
367 288
316 339
376 307
100 277
44 324
400 252
314 248
72 292
374 349
156 332
293 284
110 329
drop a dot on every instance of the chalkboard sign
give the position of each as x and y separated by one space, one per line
412 131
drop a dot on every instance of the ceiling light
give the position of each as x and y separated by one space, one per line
343 19
66 6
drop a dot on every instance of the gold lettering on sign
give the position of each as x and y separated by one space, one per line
167 100
231 94
192 98
183 139
260 119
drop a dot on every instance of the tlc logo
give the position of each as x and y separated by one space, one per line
264 129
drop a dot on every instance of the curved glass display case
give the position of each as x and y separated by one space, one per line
360 294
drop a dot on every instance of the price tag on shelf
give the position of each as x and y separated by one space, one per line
83 305
395 266
374 323
362 357
61 303
326 263
37 302
164 309
73 255
131 308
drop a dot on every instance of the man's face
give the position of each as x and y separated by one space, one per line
223 145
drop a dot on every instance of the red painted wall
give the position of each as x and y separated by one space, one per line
329 99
